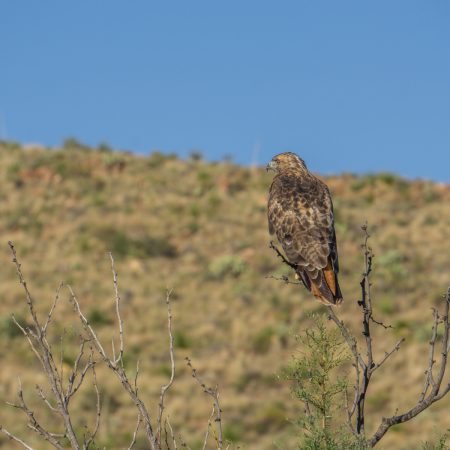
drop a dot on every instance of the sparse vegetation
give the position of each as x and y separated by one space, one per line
56 203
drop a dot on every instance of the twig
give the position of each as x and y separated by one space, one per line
98 410
33 424
136 429
281 256
15 438
52 309
119 318
283 278
172 434
43 352
435 394
205 441
214 393
166 387
388 354
119 371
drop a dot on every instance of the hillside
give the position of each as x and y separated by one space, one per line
200 229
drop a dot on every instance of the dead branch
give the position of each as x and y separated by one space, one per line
36 336
214 393
133 440
115 365
166 387
63 390
437 391
208 427
12 437
119 318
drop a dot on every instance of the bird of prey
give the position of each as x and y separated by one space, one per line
300 213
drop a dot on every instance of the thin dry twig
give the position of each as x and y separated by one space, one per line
283 278
116 367
436 392
36 336
32 423
136 429
167 386
174 441
208 428
98 410
15 438
119 318
214 393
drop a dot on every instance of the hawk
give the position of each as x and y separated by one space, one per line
300 214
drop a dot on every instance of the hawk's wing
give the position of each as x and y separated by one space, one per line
300 213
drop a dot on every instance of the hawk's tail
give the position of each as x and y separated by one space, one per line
323 284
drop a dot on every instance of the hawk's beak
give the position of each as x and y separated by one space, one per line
271 166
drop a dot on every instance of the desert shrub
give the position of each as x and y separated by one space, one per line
262 340
193 227
122 244
104 147
156 159
392 263
73 144
271 417
181 340
9 329
97 317
113 160
227 265
232 432
440 444
196 155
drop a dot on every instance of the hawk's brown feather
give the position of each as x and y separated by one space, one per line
300 213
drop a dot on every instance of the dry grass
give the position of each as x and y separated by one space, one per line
200 229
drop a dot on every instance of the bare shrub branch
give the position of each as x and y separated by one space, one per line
63 388
166 387
214 393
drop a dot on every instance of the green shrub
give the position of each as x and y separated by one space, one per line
181 340
262 341
227 265
9 329
122 244
98 317
271 417
232 432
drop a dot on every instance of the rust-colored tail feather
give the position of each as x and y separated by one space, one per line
325 286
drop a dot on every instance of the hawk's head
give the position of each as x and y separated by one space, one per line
287 161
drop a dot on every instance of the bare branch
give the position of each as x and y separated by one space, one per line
116 367
174 441
166 387
45 399
15 438
52 309
98 410
283 278
214 393
43 352
281 256
133 440
426 399
208 428
119 318
388 354
32 421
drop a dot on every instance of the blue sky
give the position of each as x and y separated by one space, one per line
351 86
